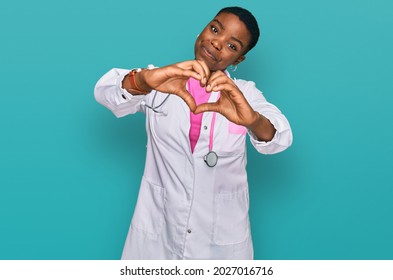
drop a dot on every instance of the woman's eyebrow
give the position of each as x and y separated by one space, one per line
223 28
219 23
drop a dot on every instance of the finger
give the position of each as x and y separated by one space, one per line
216 80
180 72
206 70
171 71
200 67
214 76
223 87
185 64
207 107
195 66
189 73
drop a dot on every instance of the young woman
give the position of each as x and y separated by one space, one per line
193 200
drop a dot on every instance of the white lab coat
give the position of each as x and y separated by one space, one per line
185 209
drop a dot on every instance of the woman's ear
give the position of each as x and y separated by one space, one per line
239 59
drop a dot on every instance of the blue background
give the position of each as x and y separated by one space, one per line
70 170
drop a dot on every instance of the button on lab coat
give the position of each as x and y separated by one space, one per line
185 209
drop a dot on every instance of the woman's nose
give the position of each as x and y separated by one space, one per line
216 44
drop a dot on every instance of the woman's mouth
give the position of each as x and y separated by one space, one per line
208 53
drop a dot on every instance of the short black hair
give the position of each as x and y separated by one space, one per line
248 19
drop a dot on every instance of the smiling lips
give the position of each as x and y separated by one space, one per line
208 53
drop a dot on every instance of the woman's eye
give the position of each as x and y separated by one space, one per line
213 29
232 46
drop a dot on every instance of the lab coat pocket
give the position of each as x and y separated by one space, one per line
149 210
236 129
231 222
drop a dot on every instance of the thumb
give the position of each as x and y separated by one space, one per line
206 107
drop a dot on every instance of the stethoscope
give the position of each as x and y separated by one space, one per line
154 108
211 158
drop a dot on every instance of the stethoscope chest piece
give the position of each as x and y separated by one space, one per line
211 159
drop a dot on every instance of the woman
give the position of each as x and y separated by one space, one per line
193 200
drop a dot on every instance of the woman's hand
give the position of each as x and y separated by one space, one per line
233 105
173 79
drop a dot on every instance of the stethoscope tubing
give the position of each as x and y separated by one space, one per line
211 157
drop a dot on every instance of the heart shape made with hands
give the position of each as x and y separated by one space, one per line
230 102
198 93
173 79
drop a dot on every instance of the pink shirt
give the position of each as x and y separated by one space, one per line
201 96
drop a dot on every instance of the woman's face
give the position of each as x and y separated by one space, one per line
223 42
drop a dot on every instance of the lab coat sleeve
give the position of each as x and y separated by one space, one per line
109 92
283 136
